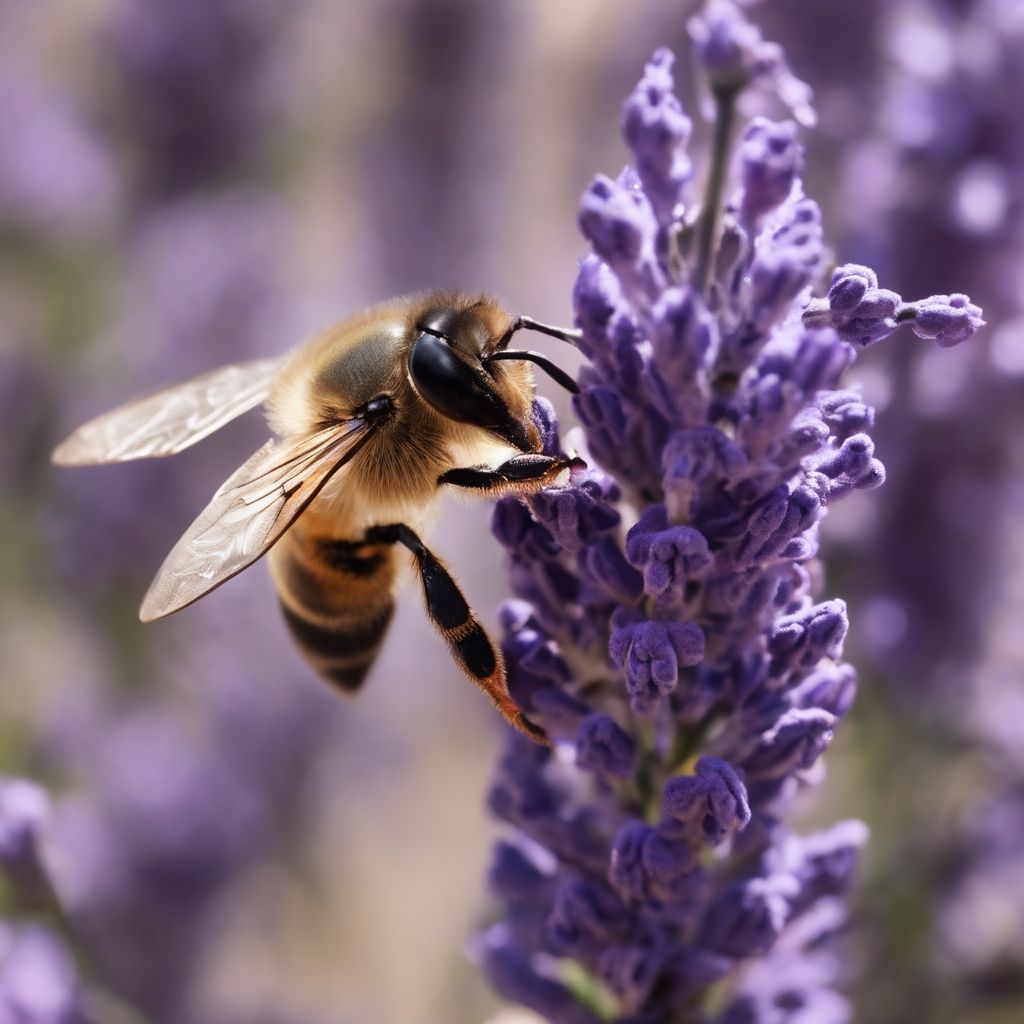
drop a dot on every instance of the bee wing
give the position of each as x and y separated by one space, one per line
249 513
172 419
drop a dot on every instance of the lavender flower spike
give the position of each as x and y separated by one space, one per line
670 627
863 313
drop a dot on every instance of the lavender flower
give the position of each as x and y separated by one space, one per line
174 810
56 178
931 192
38 980
24 806
670 629
195 84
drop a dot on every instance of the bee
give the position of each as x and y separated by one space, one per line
373 417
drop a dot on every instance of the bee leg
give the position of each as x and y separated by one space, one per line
454 619
523 474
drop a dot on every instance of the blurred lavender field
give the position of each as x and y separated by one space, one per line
187 184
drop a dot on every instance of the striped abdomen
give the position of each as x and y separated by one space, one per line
337 600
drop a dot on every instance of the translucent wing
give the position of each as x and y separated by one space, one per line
170 420
249 513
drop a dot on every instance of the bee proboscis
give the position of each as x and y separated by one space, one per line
372 417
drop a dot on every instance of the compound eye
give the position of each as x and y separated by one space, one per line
450 385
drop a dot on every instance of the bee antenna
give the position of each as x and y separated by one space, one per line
527 323
556 373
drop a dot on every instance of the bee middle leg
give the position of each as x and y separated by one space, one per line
519 475
450 613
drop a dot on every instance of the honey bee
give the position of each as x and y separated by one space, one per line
373 417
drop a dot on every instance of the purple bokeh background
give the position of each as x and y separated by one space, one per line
228 840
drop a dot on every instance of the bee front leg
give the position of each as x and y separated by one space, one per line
450 613
522 474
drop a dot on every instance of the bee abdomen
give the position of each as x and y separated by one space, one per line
336 598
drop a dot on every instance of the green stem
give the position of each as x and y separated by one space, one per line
711 214
687 743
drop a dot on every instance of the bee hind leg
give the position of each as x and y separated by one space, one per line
522 474
450 613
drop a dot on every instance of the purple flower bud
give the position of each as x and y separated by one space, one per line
862 313
620 225
630 971
533 661
596 297
851 466
627 872
585 915
850 284
601 413
947 320
604 564
692 458
578 513
615 223
694 697
734 54
831 688
749 916
682 333
519 793
728 45
846 413
771 158
806 435
512 972
794 743
604 748
24 808
669 556
544 418
823 864
652 654
711 803
656 130
691 968
562 713
774 521
801 640
38 983
820 361
783 266
646 864
520 533
514 874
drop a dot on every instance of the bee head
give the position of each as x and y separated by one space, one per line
452 367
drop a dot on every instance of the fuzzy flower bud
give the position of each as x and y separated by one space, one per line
711 803
947 320
668 556
770 160
657 130
651 653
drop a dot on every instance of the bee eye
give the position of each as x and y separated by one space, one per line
451 386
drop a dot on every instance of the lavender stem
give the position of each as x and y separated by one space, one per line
711 214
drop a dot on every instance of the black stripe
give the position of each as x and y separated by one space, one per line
305 587
476 653
350 640
445 603
343 556
349 677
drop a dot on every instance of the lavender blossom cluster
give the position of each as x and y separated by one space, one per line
39 981
670 628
